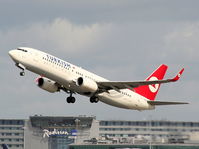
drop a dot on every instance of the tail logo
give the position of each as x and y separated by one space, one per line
153 88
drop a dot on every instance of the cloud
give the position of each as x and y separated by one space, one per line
59 34
183 41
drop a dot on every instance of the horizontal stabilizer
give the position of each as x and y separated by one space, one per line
159 103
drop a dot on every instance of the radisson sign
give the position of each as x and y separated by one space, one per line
56 132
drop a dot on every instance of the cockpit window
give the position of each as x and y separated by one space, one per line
22 50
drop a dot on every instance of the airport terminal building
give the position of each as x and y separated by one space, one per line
49 132
12 133
46 132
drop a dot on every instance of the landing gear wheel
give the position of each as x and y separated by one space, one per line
70 99
91 100
94 99
22 73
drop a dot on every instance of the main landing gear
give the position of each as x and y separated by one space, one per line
70 99
94 99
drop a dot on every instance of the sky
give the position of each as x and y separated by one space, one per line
118 40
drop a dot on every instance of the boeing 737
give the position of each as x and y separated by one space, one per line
56 74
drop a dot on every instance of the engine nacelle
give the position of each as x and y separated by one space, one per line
47 85
87 86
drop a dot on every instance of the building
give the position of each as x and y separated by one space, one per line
150 131
45 132
12 133
57 132
50 132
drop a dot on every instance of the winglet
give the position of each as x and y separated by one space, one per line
177 77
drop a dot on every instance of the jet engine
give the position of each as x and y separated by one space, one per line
87 86
47 85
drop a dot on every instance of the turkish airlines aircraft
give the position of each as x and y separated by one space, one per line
56 74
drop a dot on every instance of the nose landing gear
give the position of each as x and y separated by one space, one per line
22 73
20 66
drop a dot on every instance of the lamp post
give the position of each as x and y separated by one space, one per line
77 122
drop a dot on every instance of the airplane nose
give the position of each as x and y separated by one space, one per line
10 52
13 54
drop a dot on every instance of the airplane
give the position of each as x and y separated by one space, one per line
4 146
56 74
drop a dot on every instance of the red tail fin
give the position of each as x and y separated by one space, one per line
150 91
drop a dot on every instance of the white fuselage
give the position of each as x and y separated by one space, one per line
66 74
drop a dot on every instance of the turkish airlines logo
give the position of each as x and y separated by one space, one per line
153 88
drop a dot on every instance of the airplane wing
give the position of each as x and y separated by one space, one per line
124 85
159 103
